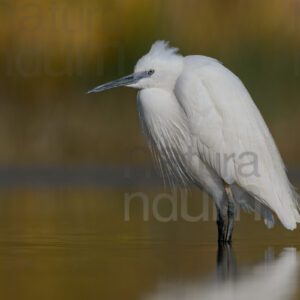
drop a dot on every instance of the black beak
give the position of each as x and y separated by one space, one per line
124 81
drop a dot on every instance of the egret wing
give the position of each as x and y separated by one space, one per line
232 137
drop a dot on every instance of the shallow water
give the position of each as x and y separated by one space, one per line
75 244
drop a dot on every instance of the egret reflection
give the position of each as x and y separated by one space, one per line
270 279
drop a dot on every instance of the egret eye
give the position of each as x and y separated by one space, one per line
150 72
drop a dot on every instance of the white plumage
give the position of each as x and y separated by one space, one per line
204 127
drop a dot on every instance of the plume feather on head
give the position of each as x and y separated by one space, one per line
162 48
160 52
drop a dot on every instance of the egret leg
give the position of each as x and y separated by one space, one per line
226 262
221 223
221 261
232 270
231 212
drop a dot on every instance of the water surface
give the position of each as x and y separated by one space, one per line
73 243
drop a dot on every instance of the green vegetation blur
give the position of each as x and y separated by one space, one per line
52 52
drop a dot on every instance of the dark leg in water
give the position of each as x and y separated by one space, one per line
221 223
231 212
226 263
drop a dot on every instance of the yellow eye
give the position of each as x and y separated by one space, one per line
150 72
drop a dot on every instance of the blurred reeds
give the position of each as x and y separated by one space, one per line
52 53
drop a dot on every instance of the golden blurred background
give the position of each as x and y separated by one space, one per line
68 239
53 52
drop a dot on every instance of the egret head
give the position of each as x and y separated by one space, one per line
159 68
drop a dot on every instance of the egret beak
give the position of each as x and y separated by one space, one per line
124 81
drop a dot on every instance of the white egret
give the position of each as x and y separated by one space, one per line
201 121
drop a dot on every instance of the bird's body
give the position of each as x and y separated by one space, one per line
206 130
